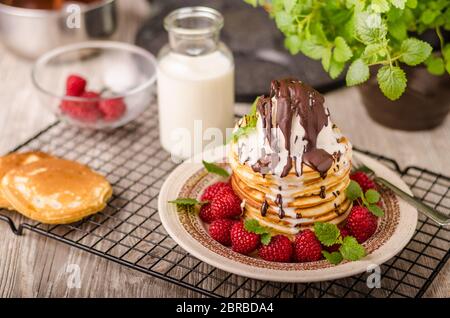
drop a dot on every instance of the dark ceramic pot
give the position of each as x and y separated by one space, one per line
424 105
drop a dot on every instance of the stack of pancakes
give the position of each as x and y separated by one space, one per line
306 199
49 189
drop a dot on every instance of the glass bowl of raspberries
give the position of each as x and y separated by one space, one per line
96 84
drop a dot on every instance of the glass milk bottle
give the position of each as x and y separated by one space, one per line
195 83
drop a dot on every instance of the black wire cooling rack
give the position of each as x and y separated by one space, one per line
130 233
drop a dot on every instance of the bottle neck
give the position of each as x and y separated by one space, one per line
193 45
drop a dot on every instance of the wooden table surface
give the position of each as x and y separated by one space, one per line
34 266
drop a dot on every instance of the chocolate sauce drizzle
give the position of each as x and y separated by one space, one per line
323 193
294 98
264 208
279 203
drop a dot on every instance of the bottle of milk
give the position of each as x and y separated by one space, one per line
195 83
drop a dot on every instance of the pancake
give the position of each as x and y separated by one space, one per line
15 160
55 191
292 168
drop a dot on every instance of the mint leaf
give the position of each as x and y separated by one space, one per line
428 16
327 233
372 49
336 68
380 6
341 52
266 238
370 27
249 123
187 202
399 3
289 5
376 210
372 196
293 44
213 168
392 81
253 226
353 191
326 59
415 51
435 65
283 20
351 250
357 73
446 51
411 4
312 48
398 29
334 258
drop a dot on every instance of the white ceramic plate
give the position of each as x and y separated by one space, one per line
394 231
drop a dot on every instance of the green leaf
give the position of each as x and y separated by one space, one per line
266 238
435 65
380 6
392 81
326 59
351 250
253 226
447 67
370 28
353 191
283 20
446 52
250 121
334 258
372 196
289 5
341 52
293 44
375 210
428 16
398 29
312 49
336 68
411 4
327 233
187 202
415 51
357 73
213 168
399 3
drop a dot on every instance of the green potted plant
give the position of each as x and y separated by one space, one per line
384 46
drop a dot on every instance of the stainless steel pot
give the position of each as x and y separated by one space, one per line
31 32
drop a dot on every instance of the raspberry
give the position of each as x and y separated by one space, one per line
75 85
243 241
361 223
112 109
86 111
205 213
335 247
363 180
220 230
211 191
307 247
278 250
225 205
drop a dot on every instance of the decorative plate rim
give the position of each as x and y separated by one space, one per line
305 272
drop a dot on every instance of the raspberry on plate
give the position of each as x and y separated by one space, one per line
226 204
211 191
75 85
243 241
112 108
205 213
307 247
361 223
363 180
278 250
220 230
85 111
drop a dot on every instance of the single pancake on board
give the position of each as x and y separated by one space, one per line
55 191
15 160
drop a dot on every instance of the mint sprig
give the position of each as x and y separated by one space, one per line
351 250
187 202
327 233
334 258
368 199
253 226
213 168
248 123
365 34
